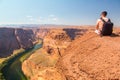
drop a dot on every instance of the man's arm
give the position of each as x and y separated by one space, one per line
97 24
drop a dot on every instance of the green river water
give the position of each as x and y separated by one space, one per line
12 69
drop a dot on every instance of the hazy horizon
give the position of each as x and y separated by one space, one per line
58 12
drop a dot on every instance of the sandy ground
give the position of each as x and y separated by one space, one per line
92 57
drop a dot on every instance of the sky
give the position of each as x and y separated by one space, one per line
65 12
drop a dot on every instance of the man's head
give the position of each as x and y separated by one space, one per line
104 14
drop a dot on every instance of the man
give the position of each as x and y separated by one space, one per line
104 25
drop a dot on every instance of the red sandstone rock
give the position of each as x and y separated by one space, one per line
8 41
41 64
12 39
25 38
92 57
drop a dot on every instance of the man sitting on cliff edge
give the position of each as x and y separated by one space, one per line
104 25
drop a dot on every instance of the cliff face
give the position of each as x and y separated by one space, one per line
56 41
92 57
12 39
8 42
41 64
41 32
75 32
25 38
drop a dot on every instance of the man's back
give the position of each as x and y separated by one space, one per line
104 25
100 22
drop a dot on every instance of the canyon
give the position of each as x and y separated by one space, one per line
75 54
67 53
15 38
42 64
12 39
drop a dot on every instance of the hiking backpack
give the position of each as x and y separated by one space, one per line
107 27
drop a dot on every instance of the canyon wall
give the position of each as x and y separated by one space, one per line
40 32
16 38
69 56
12 39
8 41
42 64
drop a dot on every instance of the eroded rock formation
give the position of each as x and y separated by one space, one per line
41 64
56 41
8 41
92 57
12 39
41 32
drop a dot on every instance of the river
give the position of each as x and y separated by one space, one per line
13 68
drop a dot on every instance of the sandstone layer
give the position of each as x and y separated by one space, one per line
12 39
42 64
75 54
92 57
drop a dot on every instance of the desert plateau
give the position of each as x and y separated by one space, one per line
59 39
62 53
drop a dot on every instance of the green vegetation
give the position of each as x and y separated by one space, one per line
16 52
3 61
45 59
10 69
45 63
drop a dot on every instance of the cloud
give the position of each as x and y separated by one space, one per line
51 15
55 19
31 19
50 19
29 16
40 19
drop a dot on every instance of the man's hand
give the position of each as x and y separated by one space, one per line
97 31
